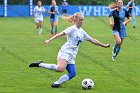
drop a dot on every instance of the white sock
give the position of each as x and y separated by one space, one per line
49 66
62 79
40 30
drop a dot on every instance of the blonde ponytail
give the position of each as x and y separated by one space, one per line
112 6
71 18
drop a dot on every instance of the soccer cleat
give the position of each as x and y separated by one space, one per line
113 58
134 26
35 64
55 85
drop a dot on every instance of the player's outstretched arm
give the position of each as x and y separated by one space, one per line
97 43
54 37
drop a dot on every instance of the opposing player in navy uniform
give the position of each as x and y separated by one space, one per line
53 11
118 26
131 9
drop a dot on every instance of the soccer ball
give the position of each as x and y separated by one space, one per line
87 83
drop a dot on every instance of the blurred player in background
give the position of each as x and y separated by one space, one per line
118 25
75 35
131 10
38 13
64 7
53 11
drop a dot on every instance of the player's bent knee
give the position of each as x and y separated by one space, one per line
60 69
118 42
72 75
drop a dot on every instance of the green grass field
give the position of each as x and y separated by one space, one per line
20 45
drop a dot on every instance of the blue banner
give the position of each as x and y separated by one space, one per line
87 10
1 10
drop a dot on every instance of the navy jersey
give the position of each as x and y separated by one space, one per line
55 10
52 9
131 4
119 17
130 9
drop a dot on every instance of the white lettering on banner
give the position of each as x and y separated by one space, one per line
137 11
94 10
105 12
85 10
97 11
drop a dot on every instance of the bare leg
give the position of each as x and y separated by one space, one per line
117 46
37 25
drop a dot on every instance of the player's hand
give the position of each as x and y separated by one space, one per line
47 42
35 15
44 10
124 23
106 45
111 24
53 12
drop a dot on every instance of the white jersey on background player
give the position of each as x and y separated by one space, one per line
38 12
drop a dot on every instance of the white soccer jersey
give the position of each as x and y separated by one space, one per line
38 11
74 37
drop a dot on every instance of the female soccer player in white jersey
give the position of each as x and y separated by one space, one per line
38 13
75 35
